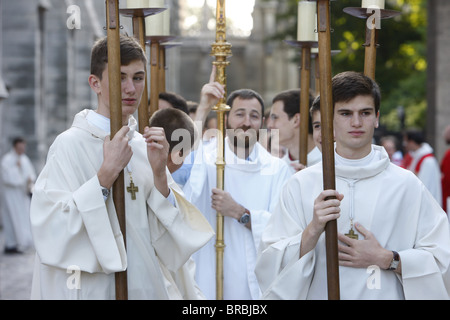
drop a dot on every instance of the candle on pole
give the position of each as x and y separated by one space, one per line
162 51
138 22
372 4
305 23
138 15
137 3
372 11
306 34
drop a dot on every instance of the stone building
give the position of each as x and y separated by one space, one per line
45 55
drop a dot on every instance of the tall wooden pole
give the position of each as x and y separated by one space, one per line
305 84
370 57
162 68
154 76
373 16
139 34
221 50
326 113
316 73
115 99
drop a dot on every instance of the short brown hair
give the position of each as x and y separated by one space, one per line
172 119
130 50
349 84
175 100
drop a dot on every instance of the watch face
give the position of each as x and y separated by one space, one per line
105 192
245 218
394 264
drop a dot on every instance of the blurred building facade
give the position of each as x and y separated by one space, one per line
45 64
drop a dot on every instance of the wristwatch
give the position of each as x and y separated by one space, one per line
245 217
395 261
105 193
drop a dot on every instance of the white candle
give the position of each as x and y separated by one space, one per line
155 3
137 3
305 23
372 3
166 22
154 25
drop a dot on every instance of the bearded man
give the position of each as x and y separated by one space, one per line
253 181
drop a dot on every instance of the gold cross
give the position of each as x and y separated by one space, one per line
132 189
352 235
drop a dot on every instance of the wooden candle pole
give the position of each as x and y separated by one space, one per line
154 76
138 16
372 15
139 34
162 68
306 39
115 98
305 75
326 113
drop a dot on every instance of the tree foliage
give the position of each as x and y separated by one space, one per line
401 55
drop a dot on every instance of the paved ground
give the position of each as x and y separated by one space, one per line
16 273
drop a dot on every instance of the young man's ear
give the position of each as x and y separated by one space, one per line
94 83
377 120
297 120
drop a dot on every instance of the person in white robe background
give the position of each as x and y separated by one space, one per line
252 182
18 176
77 237
403 245
285 117
316 123
422 161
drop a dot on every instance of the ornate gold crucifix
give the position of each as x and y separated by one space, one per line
351 234
132 189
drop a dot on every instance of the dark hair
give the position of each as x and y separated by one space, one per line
349 84
315 106
177 101
17 140
291 103
192 106
246 94
172 119
415 135
130 50
291 100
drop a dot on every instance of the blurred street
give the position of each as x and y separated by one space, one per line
16 273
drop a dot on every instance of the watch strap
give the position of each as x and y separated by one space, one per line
395 260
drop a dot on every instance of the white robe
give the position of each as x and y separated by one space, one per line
74 229
430 170
313 157
388 201
16 199
255 184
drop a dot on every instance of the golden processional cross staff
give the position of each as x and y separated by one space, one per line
115 98
326 114
221 50
373 11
